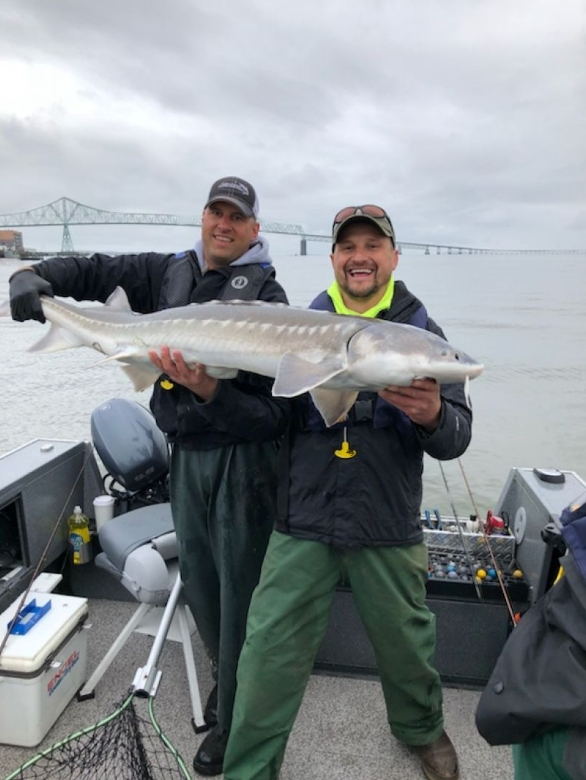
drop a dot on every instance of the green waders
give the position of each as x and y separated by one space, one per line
559 754
287 620
223 503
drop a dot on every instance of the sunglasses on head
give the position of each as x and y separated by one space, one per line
369 210
354 211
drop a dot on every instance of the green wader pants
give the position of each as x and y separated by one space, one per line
287 621
223 503
559 754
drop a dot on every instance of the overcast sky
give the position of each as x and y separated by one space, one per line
465 119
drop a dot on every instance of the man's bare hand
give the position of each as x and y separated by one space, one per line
195 379
420 401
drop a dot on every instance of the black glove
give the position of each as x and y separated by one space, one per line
25 289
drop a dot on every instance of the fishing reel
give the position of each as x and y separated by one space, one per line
496 525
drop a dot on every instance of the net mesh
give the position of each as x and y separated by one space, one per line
123 746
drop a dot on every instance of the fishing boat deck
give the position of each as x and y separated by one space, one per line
341 730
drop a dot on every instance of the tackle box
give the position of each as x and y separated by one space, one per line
42 665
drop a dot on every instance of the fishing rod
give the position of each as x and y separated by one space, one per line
44 554
460 533
488 545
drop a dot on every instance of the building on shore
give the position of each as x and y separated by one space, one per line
11 243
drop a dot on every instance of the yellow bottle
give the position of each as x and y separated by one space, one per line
79 536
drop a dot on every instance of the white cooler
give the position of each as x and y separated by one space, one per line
42 666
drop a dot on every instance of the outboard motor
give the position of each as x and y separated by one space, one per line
134 451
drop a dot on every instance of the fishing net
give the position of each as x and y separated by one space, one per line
122 746
125 745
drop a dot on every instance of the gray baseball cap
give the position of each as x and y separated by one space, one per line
237 191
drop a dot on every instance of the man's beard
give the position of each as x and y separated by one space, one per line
363 293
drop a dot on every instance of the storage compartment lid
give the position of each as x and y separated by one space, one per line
47 620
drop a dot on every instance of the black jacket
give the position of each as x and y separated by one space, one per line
243 409
374 498
539 680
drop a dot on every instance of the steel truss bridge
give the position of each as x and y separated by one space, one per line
68 212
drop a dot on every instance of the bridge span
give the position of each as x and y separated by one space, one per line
66 212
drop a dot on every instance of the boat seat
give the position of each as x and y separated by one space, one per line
139 549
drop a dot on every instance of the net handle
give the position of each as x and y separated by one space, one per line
147 677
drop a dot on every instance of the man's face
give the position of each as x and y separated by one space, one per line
363 260
226 233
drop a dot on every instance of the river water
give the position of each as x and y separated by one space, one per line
523 316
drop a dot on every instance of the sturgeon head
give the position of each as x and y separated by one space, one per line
387 353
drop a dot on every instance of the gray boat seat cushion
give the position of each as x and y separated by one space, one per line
139 549
124 533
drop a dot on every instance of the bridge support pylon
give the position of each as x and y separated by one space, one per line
67 242
303 247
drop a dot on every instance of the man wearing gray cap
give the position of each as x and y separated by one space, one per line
349 507
224 432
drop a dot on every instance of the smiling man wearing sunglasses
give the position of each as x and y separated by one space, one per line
364 257
350 506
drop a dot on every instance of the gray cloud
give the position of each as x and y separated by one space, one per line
467 121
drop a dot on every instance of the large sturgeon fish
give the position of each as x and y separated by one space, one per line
331 356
